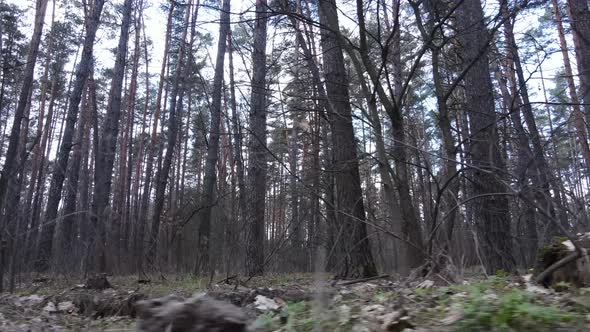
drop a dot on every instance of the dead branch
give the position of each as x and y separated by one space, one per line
552 268
356 281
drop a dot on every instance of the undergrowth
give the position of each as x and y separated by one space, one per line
495 305
299 316
514 310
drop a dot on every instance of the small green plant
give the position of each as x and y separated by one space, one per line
423 292
562 286
300 317
268 322
381 297
511 311
496 282
502 273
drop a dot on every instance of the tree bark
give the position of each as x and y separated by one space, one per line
238 146
355 259
579 12
141 151
38 152
410 228
122 194
10 165
204 261
92 22
8 176
107 146
491 210
152 149
69 228
257 167
175 113
17 225
579 124
543 176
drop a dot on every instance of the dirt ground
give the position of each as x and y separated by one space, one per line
306 302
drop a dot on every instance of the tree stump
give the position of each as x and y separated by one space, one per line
98 282
576 271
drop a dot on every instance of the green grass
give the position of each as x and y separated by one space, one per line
513 310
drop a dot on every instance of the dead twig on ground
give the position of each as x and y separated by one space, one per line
356 281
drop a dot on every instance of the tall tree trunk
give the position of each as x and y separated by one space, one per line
17 226
92 22
10 159
175 113
386 173
153 148
579 12
579 124
449 189
491 207
83 205
238 144
204 262
141 149
69 228
355 258
296 224
10 165
38 186
544 178
410 228
107 145
306 43
522 151
38 152
122 197
257 166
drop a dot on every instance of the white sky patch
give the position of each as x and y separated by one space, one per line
208 22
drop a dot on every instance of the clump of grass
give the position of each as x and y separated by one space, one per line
295 316
494 305
562 286
381 297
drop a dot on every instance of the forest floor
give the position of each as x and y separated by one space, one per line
292 303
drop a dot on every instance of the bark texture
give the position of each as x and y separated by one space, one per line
492 219
350 239
579 12
257 167
107 146
83 70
